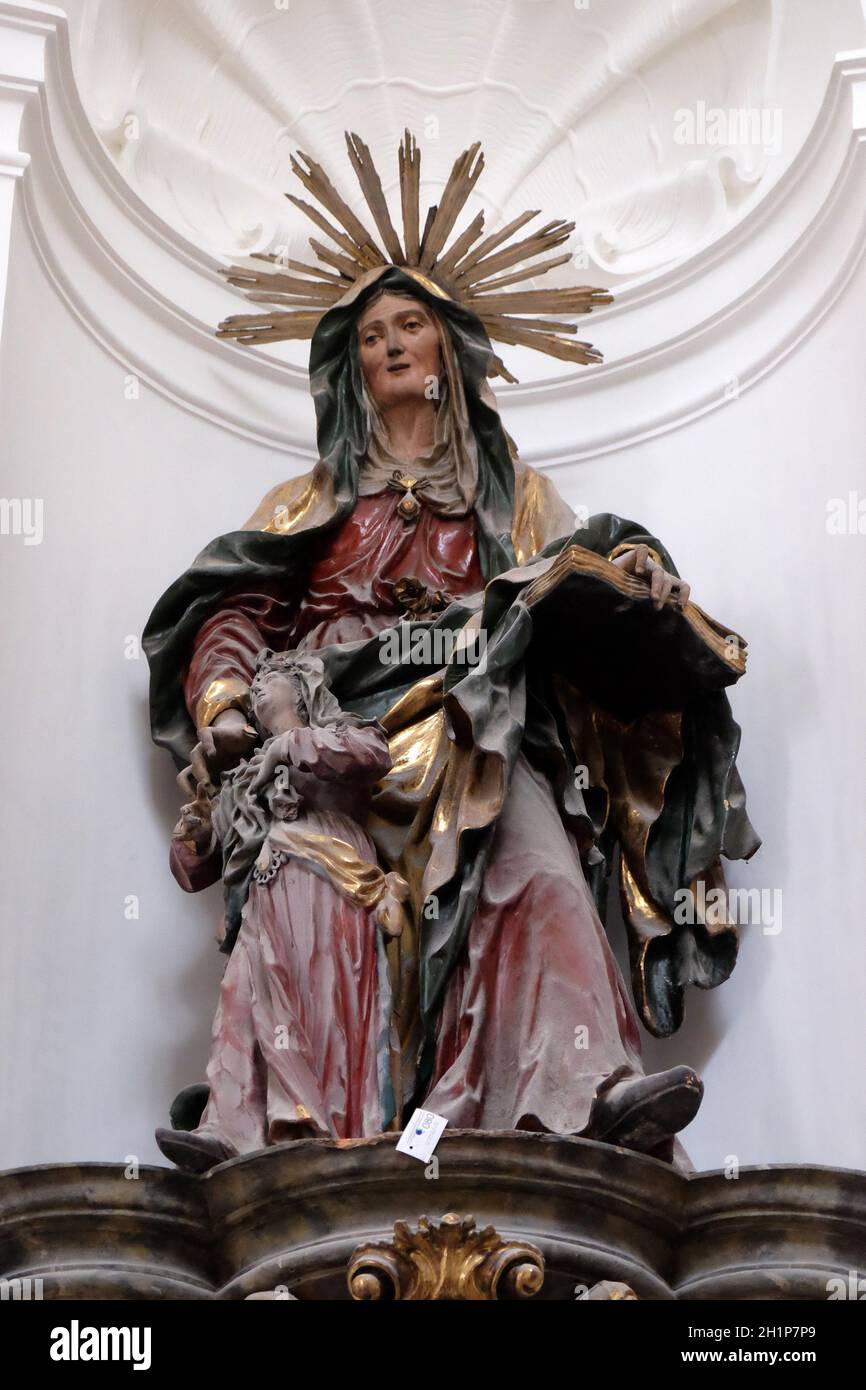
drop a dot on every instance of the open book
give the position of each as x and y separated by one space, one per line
598 626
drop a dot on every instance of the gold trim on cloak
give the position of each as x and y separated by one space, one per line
435 791
540 514
362 882
226 692
296 504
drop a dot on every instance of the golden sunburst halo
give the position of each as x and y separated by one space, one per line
479 274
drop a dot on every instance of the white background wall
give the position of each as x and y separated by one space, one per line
741 500
105 1017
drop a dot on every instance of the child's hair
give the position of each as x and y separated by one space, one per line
316 704
267 668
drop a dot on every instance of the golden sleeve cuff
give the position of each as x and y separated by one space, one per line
228 692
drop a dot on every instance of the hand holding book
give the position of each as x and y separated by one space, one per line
663 585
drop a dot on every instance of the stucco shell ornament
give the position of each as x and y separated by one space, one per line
479 272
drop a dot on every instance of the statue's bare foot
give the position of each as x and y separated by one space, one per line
642 1112
194 1153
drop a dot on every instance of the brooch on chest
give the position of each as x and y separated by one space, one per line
409 506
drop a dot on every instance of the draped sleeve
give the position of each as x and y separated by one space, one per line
337 751
193 870
225 647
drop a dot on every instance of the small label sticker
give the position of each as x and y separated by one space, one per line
421 1135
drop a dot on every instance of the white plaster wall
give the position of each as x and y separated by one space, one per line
103 1018
740 497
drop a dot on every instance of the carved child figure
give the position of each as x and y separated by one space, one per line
302 1041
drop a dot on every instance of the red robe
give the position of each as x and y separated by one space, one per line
536 1013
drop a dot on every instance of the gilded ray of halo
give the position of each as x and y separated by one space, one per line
477 273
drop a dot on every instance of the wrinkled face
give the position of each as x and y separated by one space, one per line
399 349
276 703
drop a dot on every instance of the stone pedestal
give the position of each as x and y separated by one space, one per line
291 1218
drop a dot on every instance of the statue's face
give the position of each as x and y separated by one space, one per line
399 348
275 701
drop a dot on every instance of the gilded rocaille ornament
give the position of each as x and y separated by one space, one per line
444 1261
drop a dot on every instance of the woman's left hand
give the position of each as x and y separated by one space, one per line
662 585
195 821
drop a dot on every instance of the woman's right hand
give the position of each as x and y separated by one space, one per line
221 745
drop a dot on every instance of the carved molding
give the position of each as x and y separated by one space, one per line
445 1261
690 340
24 30
287 1221
210 153
679 342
